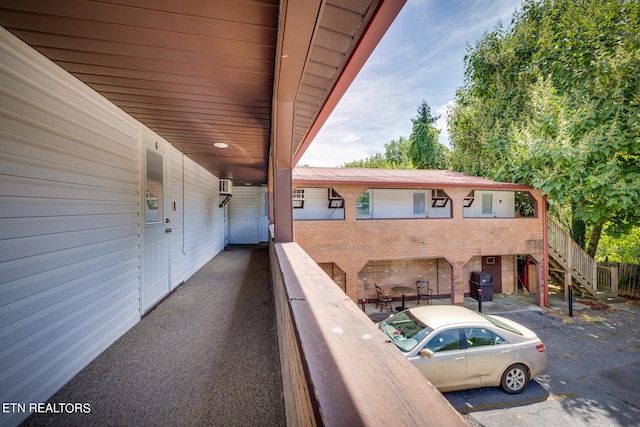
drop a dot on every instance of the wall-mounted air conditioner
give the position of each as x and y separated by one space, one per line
439 198
333 195
226 186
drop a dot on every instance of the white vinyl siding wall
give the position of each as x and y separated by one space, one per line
503 205
244 213
384 203
69 225
70 231
398 203
316 206
391 203
197 235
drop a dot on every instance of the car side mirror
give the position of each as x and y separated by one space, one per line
425 352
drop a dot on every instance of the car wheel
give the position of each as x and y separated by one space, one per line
515 379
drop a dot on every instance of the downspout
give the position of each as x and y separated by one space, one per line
545 256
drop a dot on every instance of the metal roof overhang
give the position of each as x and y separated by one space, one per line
200 72
396 178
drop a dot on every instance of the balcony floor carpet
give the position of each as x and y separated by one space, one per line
206 356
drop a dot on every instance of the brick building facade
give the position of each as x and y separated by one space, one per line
361 252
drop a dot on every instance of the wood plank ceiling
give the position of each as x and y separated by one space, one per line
195 72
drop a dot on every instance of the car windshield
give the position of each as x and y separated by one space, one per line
404 330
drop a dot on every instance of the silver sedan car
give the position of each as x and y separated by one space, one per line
456 348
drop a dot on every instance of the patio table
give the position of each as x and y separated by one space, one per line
403 290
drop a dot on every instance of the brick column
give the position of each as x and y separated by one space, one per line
457 264
350 197
457 282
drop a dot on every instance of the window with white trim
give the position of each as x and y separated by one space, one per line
298 198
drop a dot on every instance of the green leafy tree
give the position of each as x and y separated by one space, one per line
377 161
395 157
425 150
397 154
554 102
625 248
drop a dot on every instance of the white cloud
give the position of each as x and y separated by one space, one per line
333 153
442 122
350 138
420 58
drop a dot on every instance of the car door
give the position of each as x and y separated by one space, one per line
488 355
447 369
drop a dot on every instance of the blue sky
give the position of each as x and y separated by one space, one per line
421 57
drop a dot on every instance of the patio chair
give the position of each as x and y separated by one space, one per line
384 297
424 292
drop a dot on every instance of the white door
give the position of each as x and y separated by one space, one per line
157 230
487 204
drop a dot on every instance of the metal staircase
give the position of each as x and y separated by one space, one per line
570 264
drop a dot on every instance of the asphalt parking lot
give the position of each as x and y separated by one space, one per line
593 376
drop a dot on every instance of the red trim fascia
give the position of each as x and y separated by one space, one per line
380 23
378 184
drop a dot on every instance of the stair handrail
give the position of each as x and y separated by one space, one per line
578 261
557 238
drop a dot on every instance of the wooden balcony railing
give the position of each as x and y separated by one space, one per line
338 368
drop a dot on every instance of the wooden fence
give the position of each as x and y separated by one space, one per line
628 278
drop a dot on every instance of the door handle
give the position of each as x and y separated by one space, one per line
505 351
167 230
457 359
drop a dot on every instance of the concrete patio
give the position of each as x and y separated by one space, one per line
500 303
